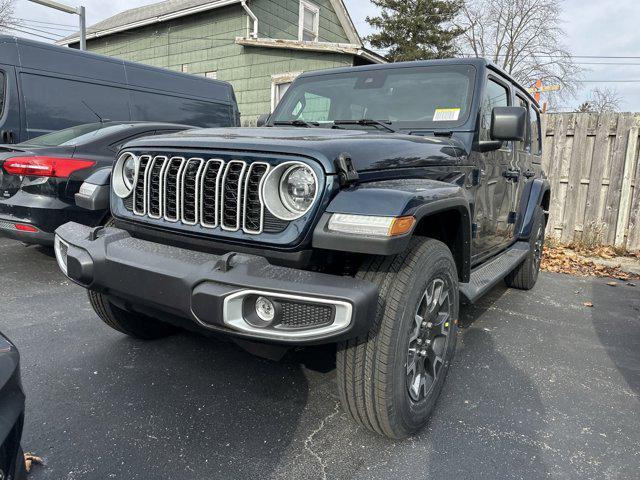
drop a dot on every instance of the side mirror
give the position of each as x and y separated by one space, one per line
263 119
508 124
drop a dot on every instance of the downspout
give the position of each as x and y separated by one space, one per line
254 34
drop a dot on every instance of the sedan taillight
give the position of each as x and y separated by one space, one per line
45 166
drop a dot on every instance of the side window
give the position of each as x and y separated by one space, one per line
2 90
526 145
496 95
536 137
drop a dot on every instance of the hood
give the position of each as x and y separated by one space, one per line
369 150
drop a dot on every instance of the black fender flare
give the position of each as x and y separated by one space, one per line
420 198
531 198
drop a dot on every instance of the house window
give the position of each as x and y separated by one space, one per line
213 74
185 68
278 91
309 22
279 86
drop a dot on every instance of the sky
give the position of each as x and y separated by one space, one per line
603 28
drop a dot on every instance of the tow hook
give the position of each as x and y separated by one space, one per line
224 262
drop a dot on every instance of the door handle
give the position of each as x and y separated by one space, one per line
511 174
529 174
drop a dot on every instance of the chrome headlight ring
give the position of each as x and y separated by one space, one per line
120 180
274 195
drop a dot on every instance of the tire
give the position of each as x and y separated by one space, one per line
525 275
132 324
376 372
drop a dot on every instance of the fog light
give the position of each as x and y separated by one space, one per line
61 248
265 309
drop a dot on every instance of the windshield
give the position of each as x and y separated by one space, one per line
436 96
70 137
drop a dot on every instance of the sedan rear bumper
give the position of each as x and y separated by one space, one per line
216 292
43 213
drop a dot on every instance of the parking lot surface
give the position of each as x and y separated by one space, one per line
542 387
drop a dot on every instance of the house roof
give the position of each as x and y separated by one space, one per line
348 48
170 9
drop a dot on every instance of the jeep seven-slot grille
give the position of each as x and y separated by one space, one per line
211 193
231 194
154 191
171 175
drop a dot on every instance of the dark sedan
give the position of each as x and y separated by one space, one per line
39 178
11 412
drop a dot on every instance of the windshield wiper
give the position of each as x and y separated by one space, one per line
367 121
297 123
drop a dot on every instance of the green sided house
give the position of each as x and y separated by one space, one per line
259 46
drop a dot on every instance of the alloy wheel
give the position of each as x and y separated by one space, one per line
429 339
537 248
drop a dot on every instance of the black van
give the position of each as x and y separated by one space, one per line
45 88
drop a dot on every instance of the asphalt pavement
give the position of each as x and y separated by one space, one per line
542 386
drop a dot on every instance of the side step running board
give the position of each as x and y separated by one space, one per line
488 275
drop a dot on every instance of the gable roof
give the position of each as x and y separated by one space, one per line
170 9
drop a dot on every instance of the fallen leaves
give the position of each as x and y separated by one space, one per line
30 459
572 261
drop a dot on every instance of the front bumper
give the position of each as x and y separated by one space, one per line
214 292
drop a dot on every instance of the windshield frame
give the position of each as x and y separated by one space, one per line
471 69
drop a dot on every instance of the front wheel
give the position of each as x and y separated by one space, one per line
389 380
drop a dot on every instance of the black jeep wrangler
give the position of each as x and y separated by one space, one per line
360 213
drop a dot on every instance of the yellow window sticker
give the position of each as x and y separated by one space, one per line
446 114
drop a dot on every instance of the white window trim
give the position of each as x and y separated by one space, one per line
278 79
316 26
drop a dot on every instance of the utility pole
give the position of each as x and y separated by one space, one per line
80 11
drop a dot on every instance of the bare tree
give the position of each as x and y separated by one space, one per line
602 100
523 37
6 14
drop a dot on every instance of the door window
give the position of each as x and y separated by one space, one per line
526 145
536 137
496 95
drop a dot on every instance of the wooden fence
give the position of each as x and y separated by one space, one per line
592 164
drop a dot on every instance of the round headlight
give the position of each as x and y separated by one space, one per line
124 174
129 171
290 190
298 189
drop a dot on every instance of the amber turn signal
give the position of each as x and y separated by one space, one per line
401 225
